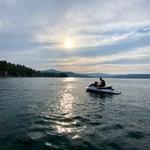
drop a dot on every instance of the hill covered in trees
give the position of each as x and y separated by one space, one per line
17 70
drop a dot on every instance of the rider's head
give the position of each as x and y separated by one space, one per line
100 78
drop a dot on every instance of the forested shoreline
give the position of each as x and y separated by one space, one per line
8 69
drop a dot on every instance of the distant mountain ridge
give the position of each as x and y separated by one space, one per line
69 73
52 71
97 75
138 76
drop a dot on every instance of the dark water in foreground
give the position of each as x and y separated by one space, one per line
47 113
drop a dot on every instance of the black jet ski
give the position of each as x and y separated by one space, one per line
107 89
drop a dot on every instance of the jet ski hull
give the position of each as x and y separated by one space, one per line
101 90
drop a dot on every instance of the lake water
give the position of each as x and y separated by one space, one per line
57 113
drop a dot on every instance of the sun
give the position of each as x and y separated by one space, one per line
68 43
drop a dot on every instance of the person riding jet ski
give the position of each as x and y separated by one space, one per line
102 82
100 87
99 84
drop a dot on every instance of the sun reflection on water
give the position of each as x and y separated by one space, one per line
66 102
66 97
61 129
70 79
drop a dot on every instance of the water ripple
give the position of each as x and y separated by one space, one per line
44 113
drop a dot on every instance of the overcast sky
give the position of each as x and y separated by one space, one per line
109 36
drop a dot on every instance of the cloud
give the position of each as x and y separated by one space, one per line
32 32
137 57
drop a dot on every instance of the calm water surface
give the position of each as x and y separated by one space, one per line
50 113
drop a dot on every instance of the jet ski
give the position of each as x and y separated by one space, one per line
100 90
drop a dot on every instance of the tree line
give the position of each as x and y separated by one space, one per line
17 70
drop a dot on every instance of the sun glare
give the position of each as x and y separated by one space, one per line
68 44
